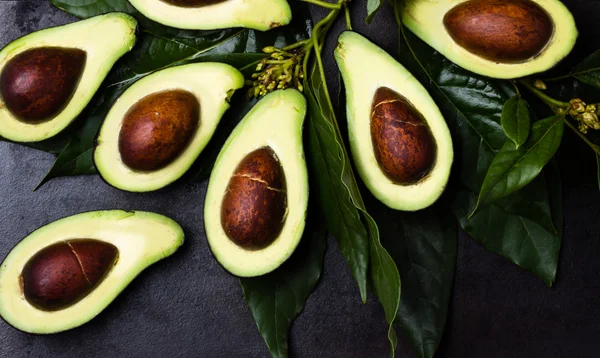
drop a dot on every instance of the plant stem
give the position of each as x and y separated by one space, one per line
324 4
326 21
348 21
296 45
557 106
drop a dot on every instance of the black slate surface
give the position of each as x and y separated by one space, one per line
187 306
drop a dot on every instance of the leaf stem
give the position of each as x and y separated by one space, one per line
557 106
348 20
296 45
324 4
326 22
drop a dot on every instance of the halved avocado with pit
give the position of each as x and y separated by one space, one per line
65 273
49 76
257 197
157 128
216 14
495 38
400 142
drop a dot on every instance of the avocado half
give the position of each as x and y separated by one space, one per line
495 38
400 142
216 14
257 196
49 76
65 273
157 128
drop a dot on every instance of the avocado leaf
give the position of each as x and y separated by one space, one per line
277 298
424 246
472 106
356 232
515 120
514 167
522 240
588 70
373 7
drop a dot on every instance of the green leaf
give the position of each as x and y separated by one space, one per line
588 70
335 181
356 232
513 167
424 246
472 106
277 298
373 7
515 120
516 237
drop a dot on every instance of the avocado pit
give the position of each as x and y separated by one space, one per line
404 146
62 274
255 203
193 3
504 31
37 84
158 128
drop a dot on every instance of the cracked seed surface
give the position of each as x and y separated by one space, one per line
404 146
255 203
62 274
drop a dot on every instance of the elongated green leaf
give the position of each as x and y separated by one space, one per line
513 167
588 71
276 299
335 182
342 203
424 246
472 107
515 120
373 7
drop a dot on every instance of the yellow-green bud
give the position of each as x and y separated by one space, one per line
577 105
539 84
590 120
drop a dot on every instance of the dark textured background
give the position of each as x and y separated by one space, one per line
187 305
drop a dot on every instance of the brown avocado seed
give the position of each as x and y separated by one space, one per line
62 274
504 31
193 3
254 206
158 128
37 84
404 146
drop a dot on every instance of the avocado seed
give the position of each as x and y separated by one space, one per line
158 128
193 3
404 146
254 206
37 84
62 274
503 31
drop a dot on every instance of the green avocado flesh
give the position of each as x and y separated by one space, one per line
157 128
49 76
495 38
400 142
216 14
65 273
257 196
